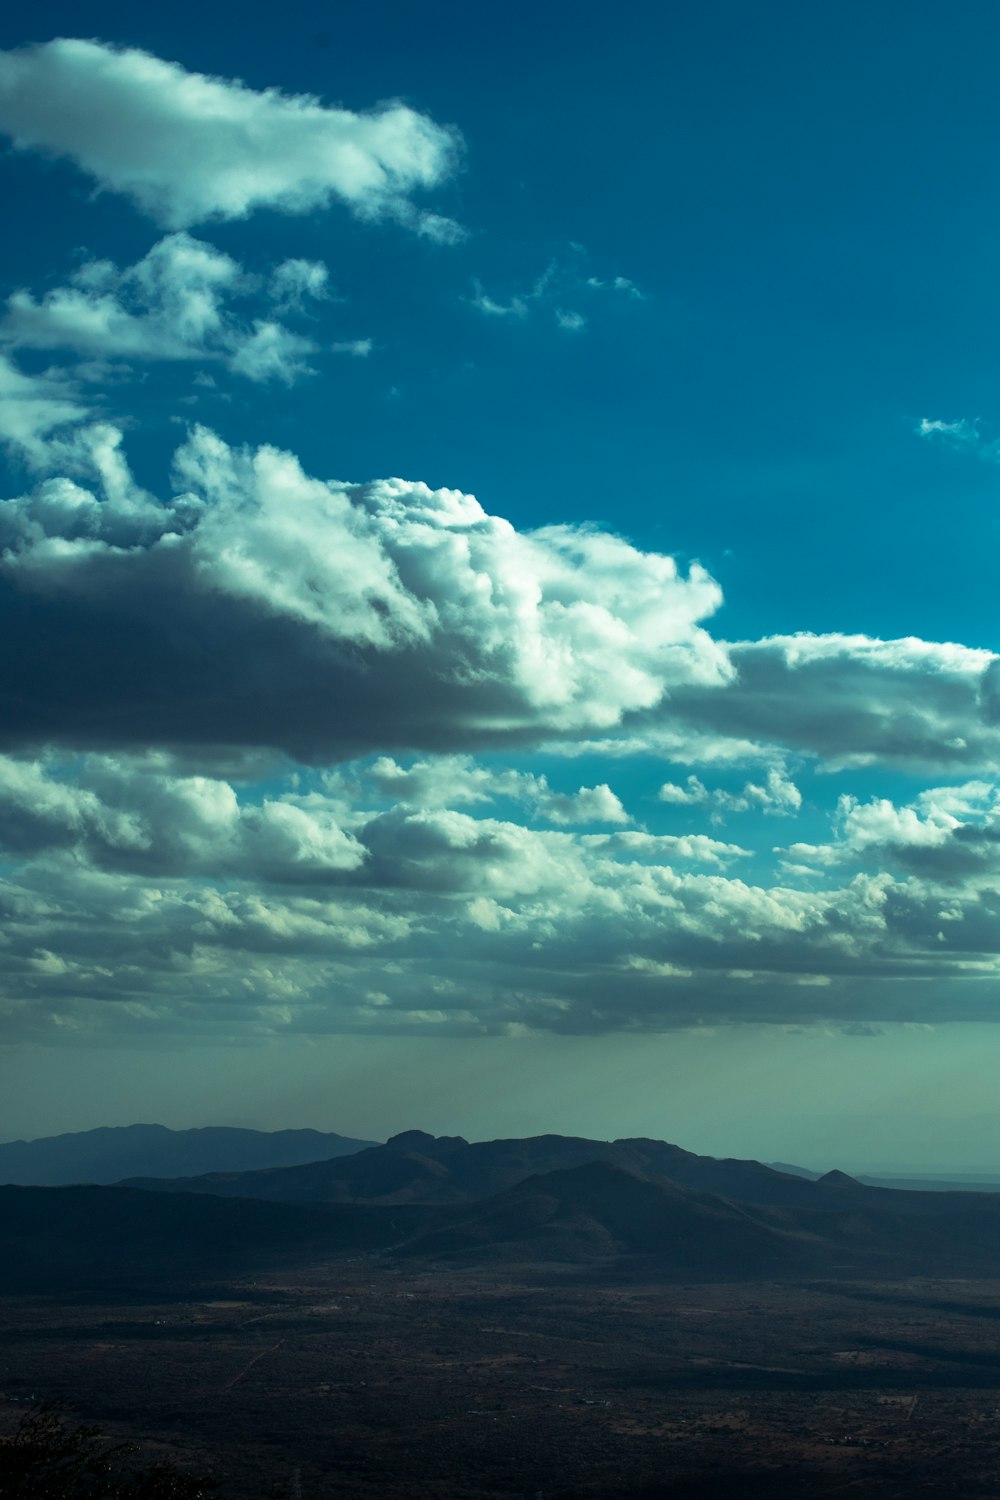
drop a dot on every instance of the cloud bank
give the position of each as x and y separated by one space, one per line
139 901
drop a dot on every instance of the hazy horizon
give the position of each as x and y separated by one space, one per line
510 1090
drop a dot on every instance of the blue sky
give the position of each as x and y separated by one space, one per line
365 772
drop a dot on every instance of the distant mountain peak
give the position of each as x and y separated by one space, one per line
836 1178
415 1138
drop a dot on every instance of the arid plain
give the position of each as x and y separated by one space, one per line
359 1378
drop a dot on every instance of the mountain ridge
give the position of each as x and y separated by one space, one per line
591 1214
415 1167
109 1153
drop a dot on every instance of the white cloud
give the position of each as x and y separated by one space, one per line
171 305
962 432
514 307
573 322
293 282
360 348
947 834
620 284
778 794
377 615
123 817
552 293
33 407
456 780
126 886
694 793
187 147
272 352
390 616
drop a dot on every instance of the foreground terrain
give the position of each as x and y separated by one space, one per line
360 1378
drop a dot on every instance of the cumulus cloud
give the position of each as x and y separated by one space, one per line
171 305
778 794
119 817
186 147
457 780
261 606
946 834
134 900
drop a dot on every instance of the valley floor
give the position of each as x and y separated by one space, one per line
363 1380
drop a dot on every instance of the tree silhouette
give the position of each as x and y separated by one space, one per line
50 1457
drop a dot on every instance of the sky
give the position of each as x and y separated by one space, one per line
498 534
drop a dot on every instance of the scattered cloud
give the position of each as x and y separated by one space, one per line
187 148
962 431
126 884
947 834
295 282
573 322
34 407
360 348
514 307
457 780
178 661
620 284
963 435
171 305
778 794
551 294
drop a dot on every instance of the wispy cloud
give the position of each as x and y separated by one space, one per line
962 434
360 348
559 294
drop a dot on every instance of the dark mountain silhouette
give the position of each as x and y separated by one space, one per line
592 1213
597 1211
498 1208
111 1153
418 1168
838 1179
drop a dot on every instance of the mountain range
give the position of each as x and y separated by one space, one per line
639 1207
415 1167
